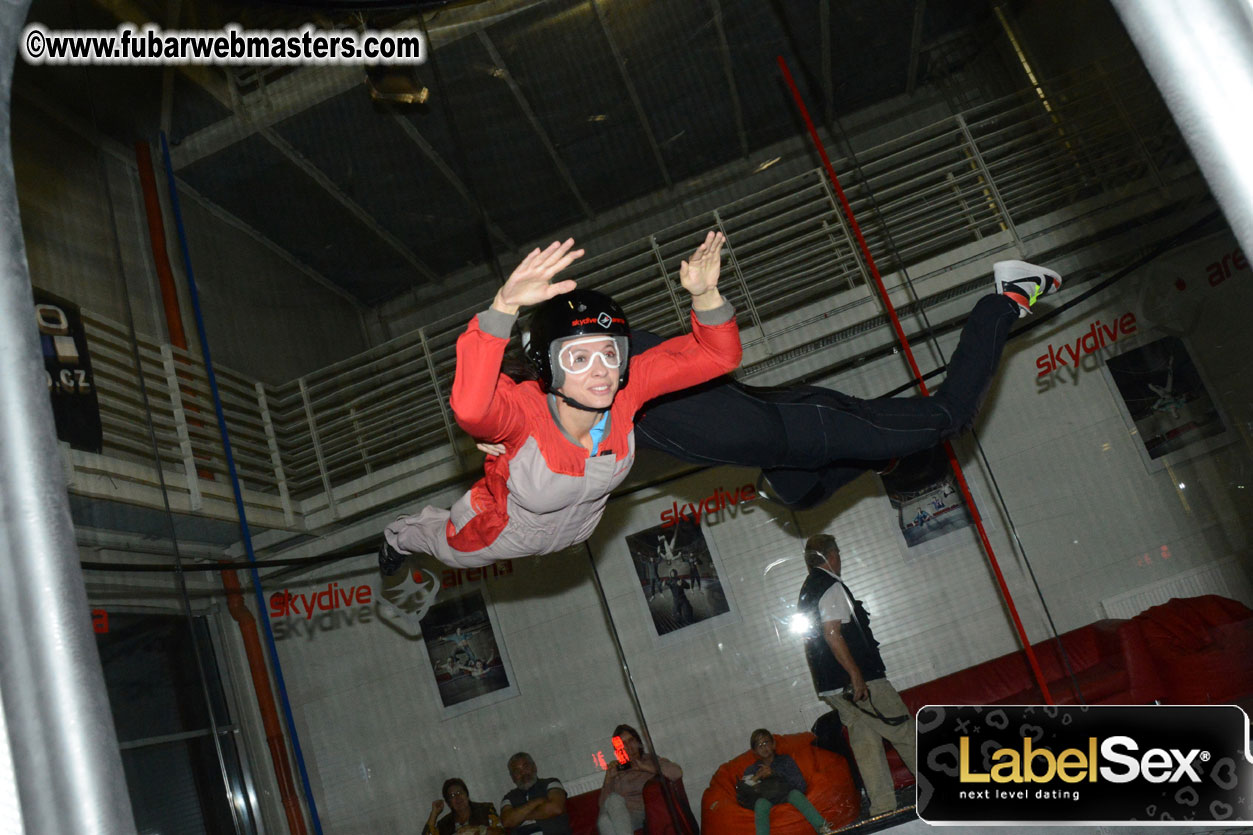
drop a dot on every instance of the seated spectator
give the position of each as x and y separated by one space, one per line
622 796
774 779
537 805
464 817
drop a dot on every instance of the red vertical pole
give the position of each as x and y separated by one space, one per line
274 739
169 295
922 386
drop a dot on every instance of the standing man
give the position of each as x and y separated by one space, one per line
682 612
654 573
537 805
848 673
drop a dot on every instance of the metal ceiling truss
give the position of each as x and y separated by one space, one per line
828 82
318 176
631 91
527 111
410 130
126 156
727 68
915 46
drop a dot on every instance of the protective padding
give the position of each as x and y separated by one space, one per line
1202 646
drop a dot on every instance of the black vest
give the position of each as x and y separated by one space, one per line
826 671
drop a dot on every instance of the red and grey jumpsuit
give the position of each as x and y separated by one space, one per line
545 493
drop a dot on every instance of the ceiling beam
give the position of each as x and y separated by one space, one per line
729 72
410 130
266 107
635 97
915 45
354 208
525 105
828 80
126 157
172 9
233 220
212 80
307 87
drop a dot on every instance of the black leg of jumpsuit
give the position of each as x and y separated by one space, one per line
810 440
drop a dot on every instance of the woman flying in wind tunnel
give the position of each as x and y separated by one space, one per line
568 438
809 441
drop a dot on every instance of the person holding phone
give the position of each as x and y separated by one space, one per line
622 795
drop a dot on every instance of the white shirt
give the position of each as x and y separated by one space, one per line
834 605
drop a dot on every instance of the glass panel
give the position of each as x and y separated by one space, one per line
150 670
329 234
176 787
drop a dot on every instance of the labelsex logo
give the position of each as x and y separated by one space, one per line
1040 765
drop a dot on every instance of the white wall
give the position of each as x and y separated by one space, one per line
371 722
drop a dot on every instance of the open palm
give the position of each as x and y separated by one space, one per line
530 282
699 274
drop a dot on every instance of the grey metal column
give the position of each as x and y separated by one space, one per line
1200 53
65 754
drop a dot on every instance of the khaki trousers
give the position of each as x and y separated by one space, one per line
866 734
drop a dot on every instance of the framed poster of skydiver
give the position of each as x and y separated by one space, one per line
1165 402
924 493
679 578
467 657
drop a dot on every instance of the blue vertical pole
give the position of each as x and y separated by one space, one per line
238 491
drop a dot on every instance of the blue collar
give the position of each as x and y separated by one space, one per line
598 432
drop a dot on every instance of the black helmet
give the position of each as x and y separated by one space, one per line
577 313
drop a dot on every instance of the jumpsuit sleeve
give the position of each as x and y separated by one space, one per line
710 350
482 398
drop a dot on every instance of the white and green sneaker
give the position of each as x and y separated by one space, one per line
1023 283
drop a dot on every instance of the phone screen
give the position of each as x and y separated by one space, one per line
620 752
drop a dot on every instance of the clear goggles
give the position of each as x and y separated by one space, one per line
575 357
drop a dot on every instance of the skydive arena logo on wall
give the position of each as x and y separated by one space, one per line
1091 765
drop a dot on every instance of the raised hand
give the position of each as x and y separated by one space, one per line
437 806
529 282
699 274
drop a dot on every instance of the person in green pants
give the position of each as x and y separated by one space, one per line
778 779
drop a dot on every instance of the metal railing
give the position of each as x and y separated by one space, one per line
981 174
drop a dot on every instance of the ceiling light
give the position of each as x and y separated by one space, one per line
766 164
599 117
397 85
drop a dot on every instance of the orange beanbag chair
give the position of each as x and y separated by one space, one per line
830 790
